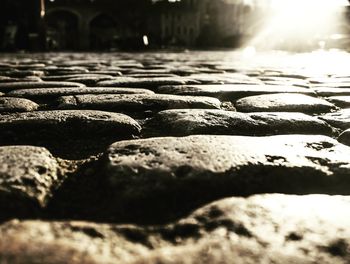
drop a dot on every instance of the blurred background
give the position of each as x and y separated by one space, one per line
112 25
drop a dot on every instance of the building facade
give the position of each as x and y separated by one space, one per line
125 24
202 22
95 24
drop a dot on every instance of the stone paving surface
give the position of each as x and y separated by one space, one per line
197 157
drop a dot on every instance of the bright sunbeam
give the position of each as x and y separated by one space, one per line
300 25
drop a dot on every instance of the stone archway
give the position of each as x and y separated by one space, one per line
104 33
62 30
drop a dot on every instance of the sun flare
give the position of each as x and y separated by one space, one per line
300 24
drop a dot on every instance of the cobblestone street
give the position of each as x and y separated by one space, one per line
192 157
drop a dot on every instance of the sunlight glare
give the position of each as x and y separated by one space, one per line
300 25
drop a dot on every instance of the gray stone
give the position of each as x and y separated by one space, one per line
28 175
340 119
341 101
57 92
141 82
186 122
136 102
11 104
180 173
231 91
345 137
283 103
31 85
270 228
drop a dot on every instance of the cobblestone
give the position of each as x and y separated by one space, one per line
182 154
53 93
186 122
9 104
136 102
167 169
345 137
284 102
231 92
341 101
26 85
28 177
339 119
276 228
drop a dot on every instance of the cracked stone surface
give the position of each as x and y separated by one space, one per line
28 176
274 228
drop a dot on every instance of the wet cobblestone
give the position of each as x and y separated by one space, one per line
114 158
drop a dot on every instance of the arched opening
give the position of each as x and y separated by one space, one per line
62 30
104 33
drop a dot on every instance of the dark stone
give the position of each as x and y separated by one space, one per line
70 134
186 122
174 175
345 137
28 175
341 101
